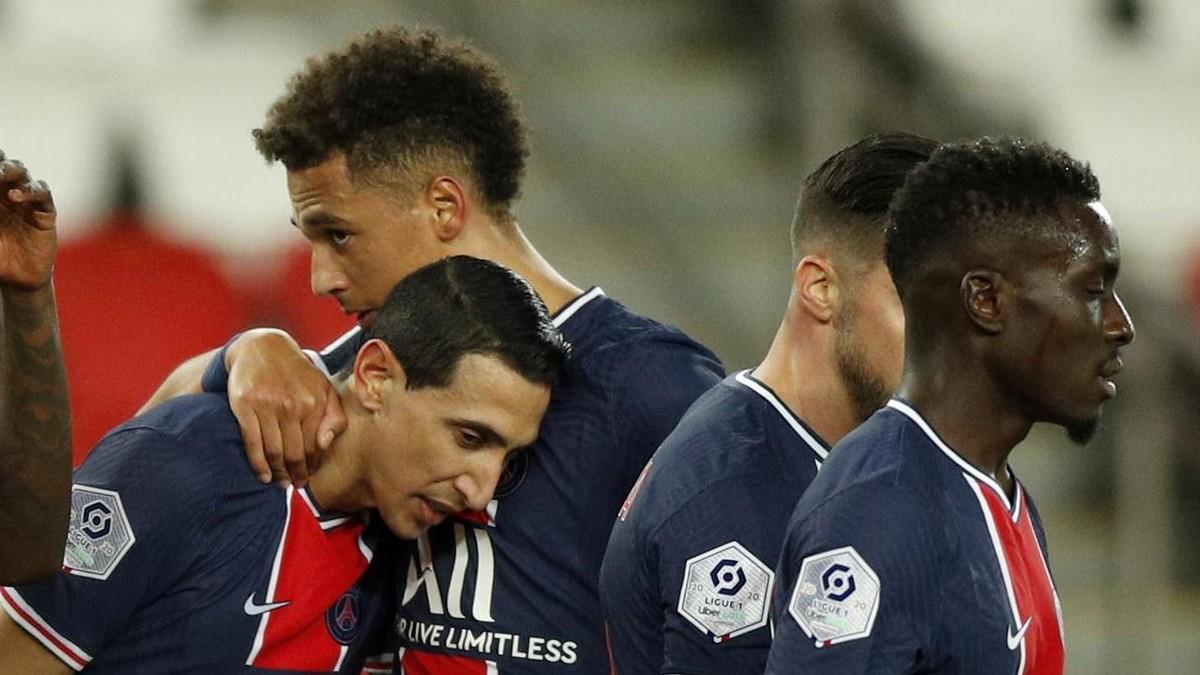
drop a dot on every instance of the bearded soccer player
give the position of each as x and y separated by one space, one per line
179 559
916 549
35 414
687 578
401 149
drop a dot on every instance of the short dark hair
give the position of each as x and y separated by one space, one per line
463 305
980 192
396 100
846 199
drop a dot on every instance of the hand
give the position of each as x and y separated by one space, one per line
287 409
27 236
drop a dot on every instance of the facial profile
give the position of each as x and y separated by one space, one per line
869 341
1070 323
436 451
363 240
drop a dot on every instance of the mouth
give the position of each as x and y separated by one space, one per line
364 318
433 512
1107 372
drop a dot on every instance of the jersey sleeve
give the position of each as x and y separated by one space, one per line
692 594
341 352
331 359
138 509
858 590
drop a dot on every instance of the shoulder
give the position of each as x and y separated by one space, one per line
612 342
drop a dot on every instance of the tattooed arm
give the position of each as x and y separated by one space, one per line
35 416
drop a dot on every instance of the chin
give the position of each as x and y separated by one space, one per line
1081 431
405 527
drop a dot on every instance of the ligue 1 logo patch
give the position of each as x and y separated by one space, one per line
726 592
345 617
836 597
98 535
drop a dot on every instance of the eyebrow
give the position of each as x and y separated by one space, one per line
490 435
317 219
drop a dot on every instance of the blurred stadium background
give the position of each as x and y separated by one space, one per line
669 140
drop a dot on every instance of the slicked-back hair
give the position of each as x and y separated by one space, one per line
463 305
394 101
979 192
845 200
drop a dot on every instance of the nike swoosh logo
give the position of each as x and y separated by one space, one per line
253 609
1014 641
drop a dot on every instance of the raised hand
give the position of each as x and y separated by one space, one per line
27 236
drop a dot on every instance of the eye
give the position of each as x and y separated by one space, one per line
339 237
470 440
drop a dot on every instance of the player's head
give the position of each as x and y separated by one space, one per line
1002 250
455 376
394 145
837 247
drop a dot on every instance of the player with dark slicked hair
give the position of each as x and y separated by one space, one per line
178 560
916 549
400 149
687 578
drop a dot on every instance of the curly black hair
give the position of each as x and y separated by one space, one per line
394 99
846 198
979 192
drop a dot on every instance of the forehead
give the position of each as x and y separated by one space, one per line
329 190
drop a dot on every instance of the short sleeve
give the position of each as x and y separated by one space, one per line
858 585
138 509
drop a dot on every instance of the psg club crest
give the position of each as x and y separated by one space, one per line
726 592
836 597
513 475
98 535
344 618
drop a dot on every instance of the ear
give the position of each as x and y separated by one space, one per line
817 287
450 205
981 292
375 369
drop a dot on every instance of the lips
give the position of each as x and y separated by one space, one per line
1111 368
434 512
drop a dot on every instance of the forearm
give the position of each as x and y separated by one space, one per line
185 379
35 438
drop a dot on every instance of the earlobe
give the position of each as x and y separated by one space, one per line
449 203
981 292
817 287
374 368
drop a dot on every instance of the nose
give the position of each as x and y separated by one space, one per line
478 485
326 276
1118 325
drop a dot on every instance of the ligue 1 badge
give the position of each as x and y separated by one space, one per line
98 535
836 597
726 592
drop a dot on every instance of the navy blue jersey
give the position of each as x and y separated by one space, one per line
514 590
179 560
904 558
687 579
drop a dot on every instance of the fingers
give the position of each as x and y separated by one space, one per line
295 457
13 171
252 438
333 421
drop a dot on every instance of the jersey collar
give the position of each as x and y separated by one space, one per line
815 443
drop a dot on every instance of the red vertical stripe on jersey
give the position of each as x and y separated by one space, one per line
317 568
1032 586
424 663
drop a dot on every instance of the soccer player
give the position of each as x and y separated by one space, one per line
687 579
916 549
179 559
401 149
35 414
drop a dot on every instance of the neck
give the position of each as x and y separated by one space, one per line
507 245
801 367
336 483
975 419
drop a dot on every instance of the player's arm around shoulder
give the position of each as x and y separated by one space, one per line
138 511
858 587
